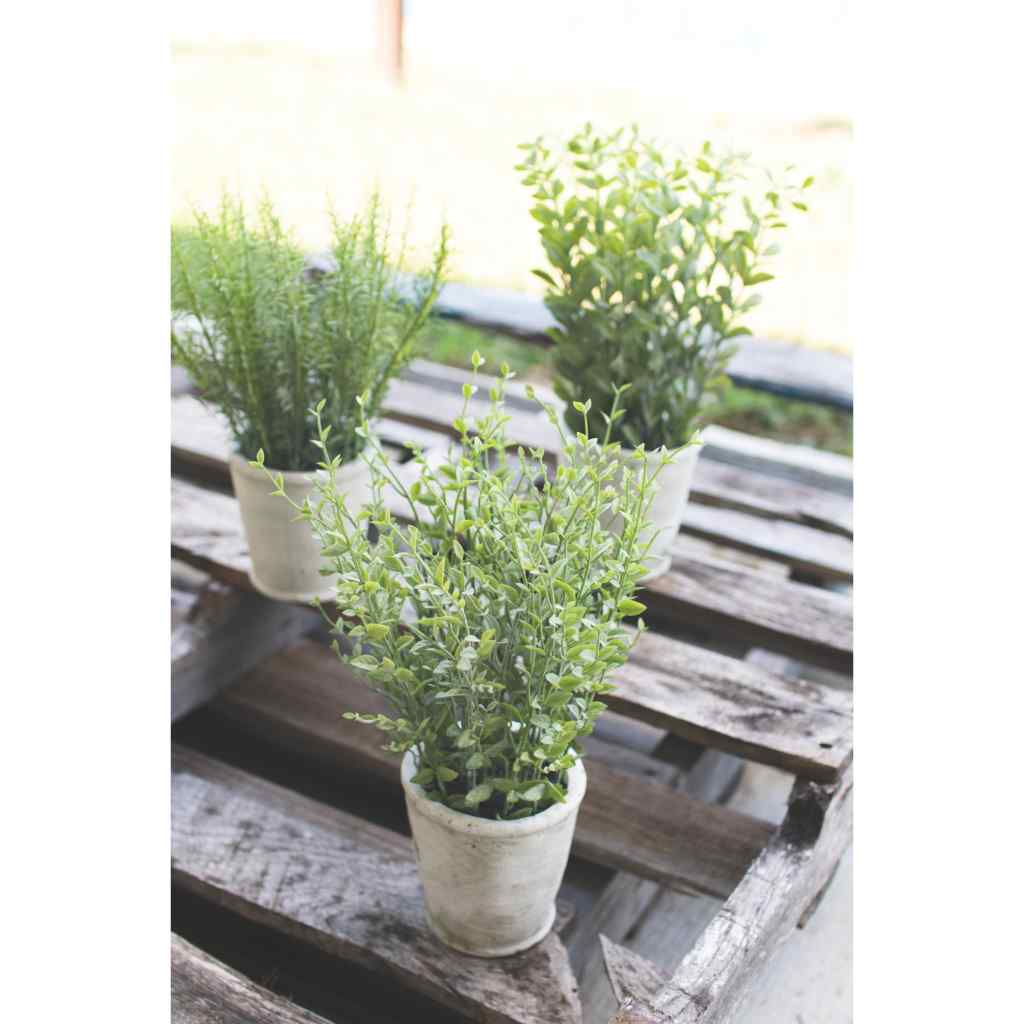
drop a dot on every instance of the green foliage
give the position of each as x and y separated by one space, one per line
263 333
653 260
491 618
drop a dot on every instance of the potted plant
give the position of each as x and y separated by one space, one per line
490 620
261 331
653 258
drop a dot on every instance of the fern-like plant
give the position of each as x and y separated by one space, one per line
654 258
263 333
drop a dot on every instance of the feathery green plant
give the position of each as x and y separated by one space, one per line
263 332
491 618
653 258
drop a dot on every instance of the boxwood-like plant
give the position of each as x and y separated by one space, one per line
263 333
653 261
490 613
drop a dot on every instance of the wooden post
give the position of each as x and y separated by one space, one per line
389 38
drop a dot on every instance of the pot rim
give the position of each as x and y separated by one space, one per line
458 821
354 468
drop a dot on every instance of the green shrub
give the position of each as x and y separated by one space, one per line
491 621
263 333
653 257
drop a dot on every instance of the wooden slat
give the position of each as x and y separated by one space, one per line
805 622
347 886
430 398
682 688
746 490
206 533
203 991
806 550
802 621
225 633
294 701
737 707
796 463
712 979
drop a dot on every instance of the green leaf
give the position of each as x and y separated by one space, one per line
424 777
629 607
365 662
478 794
445 774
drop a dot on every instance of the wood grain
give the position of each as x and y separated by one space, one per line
809 551
295 700
805 622
347 886
205 991
425 406
710 983
735 706
747 490
698 694
795 463
224 633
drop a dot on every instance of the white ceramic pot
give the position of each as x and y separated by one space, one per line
490 886
284 553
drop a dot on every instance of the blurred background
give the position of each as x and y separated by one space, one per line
324 100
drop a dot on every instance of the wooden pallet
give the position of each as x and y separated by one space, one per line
288 825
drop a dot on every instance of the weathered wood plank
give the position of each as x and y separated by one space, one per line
633 977
710 983
792 371
747 490
432 398
737 707
760 474
799 464
203 991
698 694
207 533
225 633
295 699
810 551
349 887
808 623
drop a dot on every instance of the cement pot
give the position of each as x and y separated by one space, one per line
490 886
284 553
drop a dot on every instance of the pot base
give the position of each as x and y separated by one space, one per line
283 595
490 952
